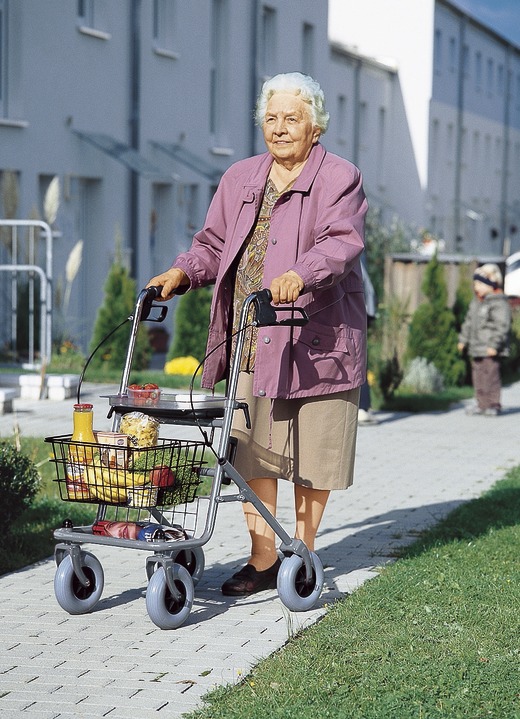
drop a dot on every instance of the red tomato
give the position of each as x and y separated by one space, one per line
150 385
162 477
135 386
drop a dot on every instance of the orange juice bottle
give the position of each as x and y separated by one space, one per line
83 432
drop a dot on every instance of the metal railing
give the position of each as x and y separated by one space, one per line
22 238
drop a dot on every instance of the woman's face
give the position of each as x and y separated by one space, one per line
288 130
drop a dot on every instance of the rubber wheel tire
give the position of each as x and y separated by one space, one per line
193 560
292 589
164 611
71 595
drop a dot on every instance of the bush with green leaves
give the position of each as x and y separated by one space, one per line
191 324
19 483
389 376
119 303
432 333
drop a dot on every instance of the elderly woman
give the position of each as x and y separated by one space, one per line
292 220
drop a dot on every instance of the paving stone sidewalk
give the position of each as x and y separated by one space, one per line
411 470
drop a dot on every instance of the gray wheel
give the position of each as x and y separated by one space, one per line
164 610
71 595
193 560
293 590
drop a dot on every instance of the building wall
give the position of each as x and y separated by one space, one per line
168 88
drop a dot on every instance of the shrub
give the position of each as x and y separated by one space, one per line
390 376
19 482
423 377
432 332
191 325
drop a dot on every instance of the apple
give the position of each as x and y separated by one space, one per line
162 477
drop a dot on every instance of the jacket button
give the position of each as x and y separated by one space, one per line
267 340
315 341
261 393
274 241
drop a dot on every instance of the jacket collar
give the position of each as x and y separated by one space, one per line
257 179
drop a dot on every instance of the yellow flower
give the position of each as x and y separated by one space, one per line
182 365
371 378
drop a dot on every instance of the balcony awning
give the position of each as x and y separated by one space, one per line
189 159
123 153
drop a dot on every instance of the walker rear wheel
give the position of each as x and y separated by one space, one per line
296 593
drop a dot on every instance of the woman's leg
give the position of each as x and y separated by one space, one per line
263 547
310 505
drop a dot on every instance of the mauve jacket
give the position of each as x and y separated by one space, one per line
317 230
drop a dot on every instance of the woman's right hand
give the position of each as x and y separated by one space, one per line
169 281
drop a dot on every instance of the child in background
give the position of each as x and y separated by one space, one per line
485 335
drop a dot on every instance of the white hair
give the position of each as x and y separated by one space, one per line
299 84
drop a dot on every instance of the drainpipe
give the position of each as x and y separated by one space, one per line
357 112
505 160
134 122
458 141
253 74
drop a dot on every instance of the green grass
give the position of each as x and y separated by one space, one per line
435 635
405 401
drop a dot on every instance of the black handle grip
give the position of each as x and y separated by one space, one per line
151 294
267 316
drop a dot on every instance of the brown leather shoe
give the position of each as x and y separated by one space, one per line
248 581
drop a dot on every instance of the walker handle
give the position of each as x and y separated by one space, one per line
266 313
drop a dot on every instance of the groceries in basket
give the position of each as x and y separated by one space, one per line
143 531
113 448
142 430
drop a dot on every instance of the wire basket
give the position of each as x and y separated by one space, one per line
164 475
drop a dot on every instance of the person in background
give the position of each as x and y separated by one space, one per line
365 414
485 335
291 220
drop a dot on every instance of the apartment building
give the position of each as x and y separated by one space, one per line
139 106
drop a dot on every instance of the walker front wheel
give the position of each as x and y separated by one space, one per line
165 610
70 593
296 593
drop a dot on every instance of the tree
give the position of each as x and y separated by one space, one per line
432 333
191 325
119 303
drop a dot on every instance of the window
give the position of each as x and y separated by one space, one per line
268 43
500 80
86 12
164 26
91 20
308 49
453 54
3 59
478 71
341 115
437 52
465 60
219 71
490 76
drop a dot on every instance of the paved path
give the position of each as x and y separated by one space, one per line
411 470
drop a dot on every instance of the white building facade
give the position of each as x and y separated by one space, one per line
461 93
139 106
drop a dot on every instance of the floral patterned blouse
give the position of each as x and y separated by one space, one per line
250 270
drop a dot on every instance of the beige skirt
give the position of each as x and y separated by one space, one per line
309 441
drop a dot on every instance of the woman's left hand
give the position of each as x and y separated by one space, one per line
286 288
